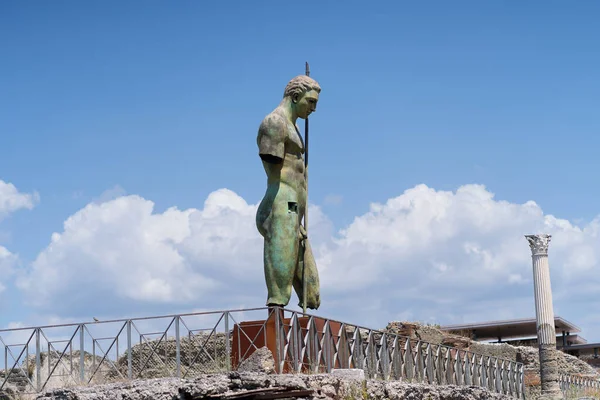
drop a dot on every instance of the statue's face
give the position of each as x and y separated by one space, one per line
306 103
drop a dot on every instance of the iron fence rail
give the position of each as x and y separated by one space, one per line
320 345
187 345
572 385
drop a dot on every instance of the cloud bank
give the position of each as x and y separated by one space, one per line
429 255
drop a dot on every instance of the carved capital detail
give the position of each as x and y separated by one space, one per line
539 243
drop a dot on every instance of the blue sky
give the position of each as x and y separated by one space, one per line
161 100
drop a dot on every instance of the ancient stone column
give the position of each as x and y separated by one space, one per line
544 313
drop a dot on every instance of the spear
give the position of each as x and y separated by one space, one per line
306 205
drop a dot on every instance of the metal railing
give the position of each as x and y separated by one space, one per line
187 345
312 344
573 386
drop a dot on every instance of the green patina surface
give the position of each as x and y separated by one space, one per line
280 214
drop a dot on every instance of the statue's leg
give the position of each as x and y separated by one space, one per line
313 296
281 252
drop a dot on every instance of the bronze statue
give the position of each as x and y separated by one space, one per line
287 251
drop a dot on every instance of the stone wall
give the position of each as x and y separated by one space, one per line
17 383
232 385
64 373
202 353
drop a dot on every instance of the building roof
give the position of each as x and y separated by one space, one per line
587 346
573 338
513 328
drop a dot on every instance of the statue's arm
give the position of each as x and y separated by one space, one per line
271 140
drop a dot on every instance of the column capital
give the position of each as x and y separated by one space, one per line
539 244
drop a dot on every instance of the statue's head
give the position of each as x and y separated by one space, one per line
303 91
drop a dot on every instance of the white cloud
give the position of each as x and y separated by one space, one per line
122 250
8 261
12 200
437 256
445 253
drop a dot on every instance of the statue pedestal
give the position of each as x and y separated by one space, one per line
251 335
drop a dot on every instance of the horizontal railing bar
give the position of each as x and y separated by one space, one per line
152 333
133 319
199 330
221 312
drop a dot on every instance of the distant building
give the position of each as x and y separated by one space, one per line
523 332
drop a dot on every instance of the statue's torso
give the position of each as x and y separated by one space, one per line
289 176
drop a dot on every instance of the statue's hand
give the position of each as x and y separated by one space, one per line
302 233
